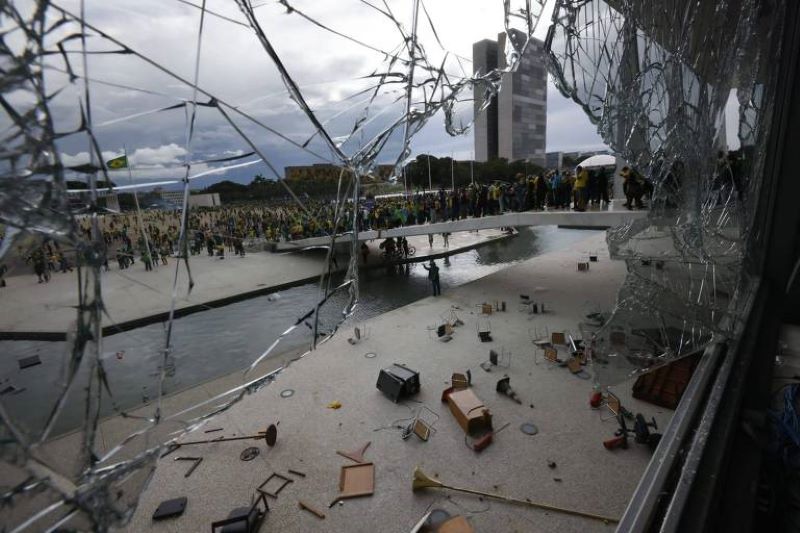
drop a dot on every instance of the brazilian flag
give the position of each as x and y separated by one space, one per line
117 163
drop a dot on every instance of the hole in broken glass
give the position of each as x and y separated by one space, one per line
61 127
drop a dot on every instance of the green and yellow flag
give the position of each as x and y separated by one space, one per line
117 162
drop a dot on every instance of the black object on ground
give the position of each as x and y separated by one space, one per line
641 432
243 519
248 454
398 381
504 387
197 461
284 481
27 362
170 508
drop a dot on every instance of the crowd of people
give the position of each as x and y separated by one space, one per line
153 236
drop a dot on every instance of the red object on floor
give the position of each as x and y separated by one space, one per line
596 399
616 442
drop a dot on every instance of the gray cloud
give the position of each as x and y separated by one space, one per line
235 68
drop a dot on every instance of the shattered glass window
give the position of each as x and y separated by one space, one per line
655 77
73 90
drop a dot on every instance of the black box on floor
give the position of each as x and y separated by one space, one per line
170 508
397 382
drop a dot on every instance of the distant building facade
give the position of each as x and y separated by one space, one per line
328 172
484 59
175 198
514 125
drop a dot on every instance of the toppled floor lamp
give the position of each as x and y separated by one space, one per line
422 481
269 436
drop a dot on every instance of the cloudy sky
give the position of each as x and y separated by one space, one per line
138 100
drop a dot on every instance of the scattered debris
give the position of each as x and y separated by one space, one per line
212 430
502 359
421 430
248 454
356 338
356 455
420 426
469 411
484 328
356 480
551 464
457 524
422 481
358 335
170 448
398 381
529 428
504 387
297 473
557 479
336 404
596 399
27 362
614 405
641 432
280 477
170 508
452 318
665 385
307 507
459 381
244 519
423 523
551 355
270 436
486 309
197 461
486 439
574 365
11 389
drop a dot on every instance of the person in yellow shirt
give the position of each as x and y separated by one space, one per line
581 183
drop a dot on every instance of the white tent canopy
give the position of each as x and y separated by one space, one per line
601 160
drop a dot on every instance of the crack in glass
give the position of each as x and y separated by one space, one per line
72 459
655 78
